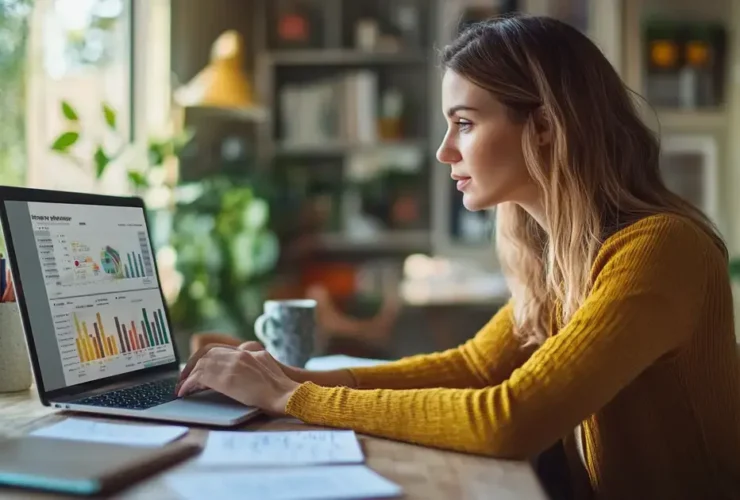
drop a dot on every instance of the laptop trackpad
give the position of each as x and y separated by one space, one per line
206 404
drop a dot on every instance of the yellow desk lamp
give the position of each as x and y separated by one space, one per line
222 83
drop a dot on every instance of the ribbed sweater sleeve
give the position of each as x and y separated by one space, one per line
486 359
648 287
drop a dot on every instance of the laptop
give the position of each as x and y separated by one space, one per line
93 311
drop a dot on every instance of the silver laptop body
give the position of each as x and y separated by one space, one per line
93 311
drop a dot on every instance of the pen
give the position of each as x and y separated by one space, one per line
9 294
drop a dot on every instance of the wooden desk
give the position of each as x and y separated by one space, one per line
423 473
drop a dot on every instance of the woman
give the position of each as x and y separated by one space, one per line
620 324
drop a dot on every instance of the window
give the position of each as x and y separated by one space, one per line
80 53
14 18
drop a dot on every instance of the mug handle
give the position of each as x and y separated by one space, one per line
261 329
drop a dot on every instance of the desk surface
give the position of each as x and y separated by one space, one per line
423 473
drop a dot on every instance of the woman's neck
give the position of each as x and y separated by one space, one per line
536 210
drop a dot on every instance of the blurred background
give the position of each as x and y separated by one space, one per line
285 148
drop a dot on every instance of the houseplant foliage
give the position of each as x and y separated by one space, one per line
138 170
225 254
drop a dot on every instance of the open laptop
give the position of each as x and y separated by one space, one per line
93 311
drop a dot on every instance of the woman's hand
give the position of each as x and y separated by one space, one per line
248 374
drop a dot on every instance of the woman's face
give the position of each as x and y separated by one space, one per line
483 147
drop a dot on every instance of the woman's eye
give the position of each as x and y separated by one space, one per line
463 125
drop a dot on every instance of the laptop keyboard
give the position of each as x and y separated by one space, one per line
139 397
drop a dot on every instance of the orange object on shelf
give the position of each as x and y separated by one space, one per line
698 53
338 278
664 53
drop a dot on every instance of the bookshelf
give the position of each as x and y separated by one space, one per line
349 117
338 57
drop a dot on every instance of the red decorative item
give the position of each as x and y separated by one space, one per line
293 28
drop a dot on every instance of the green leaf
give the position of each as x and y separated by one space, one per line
255 215
101 162
69 112
110 116
157 152
137 179
65 141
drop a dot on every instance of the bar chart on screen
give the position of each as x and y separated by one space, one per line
100 336
82 254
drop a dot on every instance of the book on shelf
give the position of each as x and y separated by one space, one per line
343 109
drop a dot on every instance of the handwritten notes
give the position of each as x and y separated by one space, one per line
103 432
308 483
281 448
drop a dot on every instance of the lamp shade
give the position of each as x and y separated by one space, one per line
222 83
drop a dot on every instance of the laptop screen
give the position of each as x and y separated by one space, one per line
91 290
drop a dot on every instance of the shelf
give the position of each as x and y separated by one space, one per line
255 114
329 57
399 240
342 148
710 119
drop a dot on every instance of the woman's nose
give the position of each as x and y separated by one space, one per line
447 153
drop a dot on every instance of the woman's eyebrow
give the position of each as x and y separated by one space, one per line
460 107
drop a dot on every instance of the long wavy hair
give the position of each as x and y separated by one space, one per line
599 173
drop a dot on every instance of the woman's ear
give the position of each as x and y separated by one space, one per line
543 126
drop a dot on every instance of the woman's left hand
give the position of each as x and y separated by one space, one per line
252 378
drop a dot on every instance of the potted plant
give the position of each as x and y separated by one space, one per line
225 254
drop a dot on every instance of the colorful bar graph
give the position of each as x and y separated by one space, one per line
131 266
150 330
95 344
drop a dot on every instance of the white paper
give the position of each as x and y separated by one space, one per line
338 361
104 432
309 483
281 448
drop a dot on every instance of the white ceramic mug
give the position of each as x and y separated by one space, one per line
15 368
287 330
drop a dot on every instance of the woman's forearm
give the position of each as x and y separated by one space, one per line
331 378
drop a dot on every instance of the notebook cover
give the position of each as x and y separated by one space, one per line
82 468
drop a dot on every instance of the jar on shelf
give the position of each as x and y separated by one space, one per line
663 63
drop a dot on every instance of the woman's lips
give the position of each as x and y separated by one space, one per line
462 183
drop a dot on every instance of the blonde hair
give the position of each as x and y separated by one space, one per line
599 173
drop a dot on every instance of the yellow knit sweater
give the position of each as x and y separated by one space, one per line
647 366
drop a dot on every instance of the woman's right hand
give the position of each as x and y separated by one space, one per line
226 342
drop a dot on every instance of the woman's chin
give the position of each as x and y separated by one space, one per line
472 203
